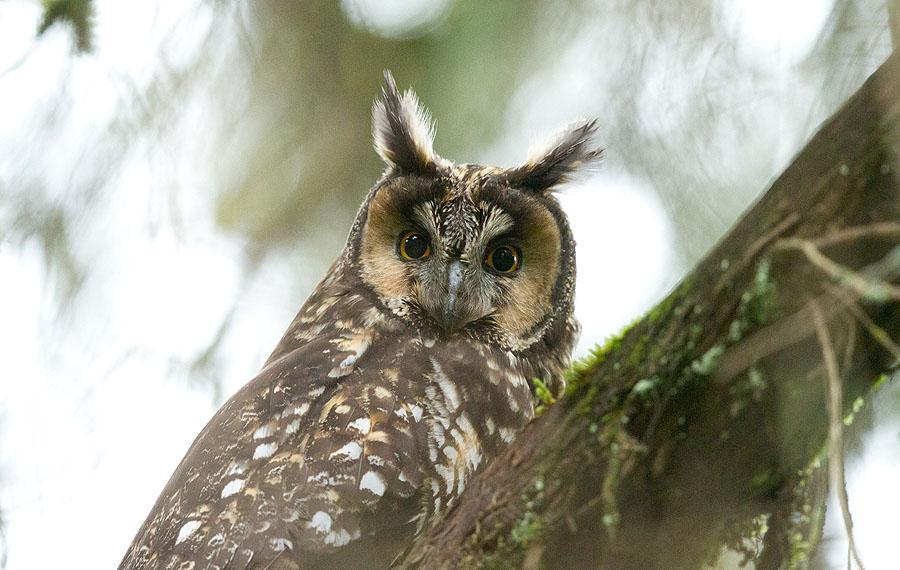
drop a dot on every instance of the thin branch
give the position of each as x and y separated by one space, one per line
835 426
876 230
878 334
750 256
874 289
850 346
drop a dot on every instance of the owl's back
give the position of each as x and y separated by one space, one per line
366 426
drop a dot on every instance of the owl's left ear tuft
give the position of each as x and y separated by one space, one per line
403 131
566 153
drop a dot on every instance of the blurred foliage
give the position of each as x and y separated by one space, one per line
316 76
313 75
76 13
260 113
290 86
48 224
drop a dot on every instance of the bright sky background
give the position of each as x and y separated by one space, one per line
89 437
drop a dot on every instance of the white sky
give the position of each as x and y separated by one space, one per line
88 437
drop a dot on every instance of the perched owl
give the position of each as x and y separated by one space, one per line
407 369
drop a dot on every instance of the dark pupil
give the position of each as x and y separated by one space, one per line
415 246
504 259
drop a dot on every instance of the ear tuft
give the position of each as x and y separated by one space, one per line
403 130
558 159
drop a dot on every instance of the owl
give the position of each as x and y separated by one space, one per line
408 368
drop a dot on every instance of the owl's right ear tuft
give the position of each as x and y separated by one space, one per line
403 131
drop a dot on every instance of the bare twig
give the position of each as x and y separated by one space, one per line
850 345
835 426
878 334
868 288
877 230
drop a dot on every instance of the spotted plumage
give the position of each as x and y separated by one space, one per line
406 370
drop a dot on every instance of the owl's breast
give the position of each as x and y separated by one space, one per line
450 404
475 400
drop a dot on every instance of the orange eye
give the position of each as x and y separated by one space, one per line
413 245
503 259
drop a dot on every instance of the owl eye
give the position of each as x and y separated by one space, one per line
413 245
503 259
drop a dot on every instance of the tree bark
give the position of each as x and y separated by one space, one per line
704 427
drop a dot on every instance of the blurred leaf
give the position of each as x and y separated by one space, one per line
77 13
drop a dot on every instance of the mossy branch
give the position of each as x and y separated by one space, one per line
704 426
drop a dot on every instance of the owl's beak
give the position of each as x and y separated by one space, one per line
450 314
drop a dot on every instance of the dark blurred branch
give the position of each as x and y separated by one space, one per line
705 426
893 7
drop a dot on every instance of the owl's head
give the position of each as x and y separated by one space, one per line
468 249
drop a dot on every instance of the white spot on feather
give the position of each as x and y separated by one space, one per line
232 487
474 457
264 450
373 482
350 451
296 410
362 425
451 395
507 434
280 544
416 412
187 529
236 468
264 431
337 538
372 317
356 345
292 427
320 522
447 474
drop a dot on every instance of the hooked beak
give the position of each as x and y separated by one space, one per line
450 314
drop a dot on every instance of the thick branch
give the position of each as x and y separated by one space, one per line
709 416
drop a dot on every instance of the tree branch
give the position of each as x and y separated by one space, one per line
706 421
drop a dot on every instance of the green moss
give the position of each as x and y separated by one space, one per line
858 403
751 388
643 386
757 303
641 352
581 369
528 527
543 394
706 364
664 307
765 481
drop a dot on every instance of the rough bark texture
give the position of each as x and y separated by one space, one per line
706 422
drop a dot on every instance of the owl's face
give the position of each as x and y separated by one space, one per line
467 249
462 251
